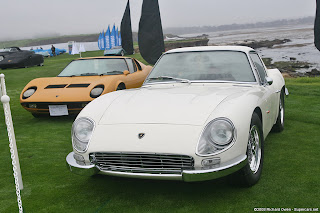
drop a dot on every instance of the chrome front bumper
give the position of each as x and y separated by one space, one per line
186 175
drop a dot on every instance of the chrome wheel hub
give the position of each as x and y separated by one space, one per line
281 111
254 149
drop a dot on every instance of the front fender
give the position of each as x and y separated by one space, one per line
239 109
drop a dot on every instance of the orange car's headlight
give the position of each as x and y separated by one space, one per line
29 92
97 91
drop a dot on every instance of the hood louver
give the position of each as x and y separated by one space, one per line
77 85
57 86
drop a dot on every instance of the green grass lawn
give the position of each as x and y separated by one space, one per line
290 178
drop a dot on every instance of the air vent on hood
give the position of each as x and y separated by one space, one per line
56 86
77 85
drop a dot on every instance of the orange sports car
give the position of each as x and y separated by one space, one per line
80 82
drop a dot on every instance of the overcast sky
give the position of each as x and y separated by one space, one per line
28 18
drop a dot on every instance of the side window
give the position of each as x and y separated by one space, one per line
257 62
137 63
131 65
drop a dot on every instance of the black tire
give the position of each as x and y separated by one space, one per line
250 174
36 115
121 87
279 125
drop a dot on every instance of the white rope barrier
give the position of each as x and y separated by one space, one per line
12 142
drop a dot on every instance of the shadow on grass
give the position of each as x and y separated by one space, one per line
141 186
116 191
54 119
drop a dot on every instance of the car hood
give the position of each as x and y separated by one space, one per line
62 89
182 104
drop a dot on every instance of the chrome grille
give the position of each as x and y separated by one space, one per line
151 163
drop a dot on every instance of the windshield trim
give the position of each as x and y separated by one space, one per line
202 81
208 81
83 59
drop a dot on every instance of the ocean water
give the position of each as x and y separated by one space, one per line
89 46
301 46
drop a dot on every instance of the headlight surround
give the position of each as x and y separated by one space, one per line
218 135
82 130
96 91
30 91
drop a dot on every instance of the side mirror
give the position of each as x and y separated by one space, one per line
269 80
126 72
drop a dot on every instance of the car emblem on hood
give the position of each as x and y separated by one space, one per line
141 135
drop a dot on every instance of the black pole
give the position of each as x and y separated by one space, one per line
150 35
126 31
317 26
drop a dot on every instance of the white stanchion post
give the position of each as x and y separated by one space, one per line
12 142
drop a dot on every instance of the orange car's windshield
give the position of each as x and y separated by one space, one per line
90 67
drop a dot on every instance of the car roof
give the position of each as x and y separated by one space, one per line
211 48
101 57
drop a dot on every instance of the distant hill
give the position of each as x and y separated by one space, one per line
50 40
206 29
55 40
171 32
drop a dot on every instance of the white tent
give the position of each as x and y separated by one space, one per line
81 48
75 49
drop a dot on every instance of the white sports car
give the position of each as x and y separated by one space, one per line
202 113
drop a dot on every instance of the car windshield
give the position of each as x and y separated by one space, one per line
90 67
202 66
11 49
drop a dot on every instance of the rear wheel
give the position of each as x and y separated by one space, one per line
250 174
279 125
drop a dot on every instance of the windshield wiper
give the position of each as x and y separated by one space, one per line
182 80
114 72
89 74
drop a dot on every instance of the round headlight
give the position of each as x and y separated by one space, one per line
97 91
81 133
217 135
221 132
29 92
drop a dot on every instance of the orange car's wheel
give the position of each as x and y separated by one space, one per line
36 115
121 86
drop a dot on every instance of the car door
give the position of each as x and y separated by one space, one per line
269 97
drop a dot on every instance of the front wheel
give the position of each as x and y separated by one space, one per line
250 174
121 87
279 125
38 115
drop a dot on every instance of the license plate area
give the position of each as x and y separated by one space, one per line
58 110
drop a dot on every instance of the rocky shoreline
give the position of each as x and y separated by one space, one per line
264 43
288 68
